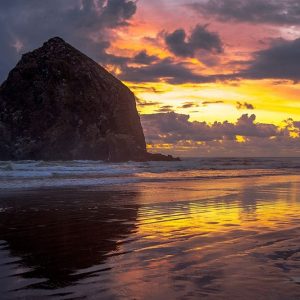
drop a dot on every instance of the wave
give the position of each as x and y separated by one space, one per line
33 174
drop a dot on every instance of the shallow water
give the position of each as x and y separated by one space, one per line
36 174
236 238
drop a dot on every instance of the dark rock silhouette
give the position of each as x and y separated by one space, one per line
58 104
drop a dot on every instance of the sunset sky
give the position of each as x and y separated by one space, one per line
211 77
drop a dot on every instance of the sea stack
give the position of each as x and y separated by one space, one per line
58 104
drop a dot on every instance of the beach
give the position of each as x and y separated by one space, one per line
218 237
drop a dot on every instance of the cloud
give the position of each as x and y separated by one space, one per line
245 105
89 25
116 12
280 61
286 12
293 127
164 70
165 109
144 58
205 103
189 105
176 127
85 24
150 89
188 46
185 137
144 103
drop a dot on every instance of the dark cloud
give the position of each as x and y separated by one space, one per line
88 24
280 61
205 103
185 137
85 24
164 70
150 89
165 109
177 44
189 105
143 103
245 105
286 12
144 58
188 46
116 12
177 127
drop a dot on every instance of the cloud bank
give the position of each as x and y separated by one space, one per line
285 12
245 137
280 61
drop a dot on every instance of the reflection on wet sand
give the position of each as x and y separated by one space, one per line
242 244
50 235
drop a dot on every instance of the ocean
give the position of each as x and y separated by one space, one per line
38 174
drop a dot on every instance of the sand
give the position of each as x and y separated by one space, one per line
221 239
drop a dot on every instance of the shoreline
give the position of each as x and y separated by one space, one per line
188 190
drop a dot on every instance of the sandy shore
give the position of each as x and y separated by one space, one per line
223 239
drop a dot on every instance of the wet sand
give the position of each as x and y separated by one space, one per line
221 239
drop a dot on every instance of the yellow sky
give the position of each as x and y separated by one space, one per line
273 101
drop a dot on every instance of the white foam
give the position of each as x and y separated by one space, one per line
34 174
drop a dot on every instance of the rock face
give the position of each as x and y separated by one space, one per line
58 104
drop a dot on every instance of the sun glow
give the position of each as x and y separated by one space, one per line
218 101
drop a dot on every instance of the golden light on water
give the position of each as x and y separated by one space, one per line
219 238
240 205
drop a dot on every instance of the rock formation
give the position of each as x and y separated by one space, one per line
58 104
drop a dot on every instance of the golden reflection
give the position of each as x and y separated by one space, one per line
219 238
245 204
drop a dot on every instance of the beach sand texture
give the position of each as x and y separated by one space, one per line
235 238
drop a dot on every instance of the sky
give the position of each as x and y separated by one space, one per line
211 77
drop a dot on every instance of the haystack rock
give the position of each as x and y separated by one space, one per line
58 104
